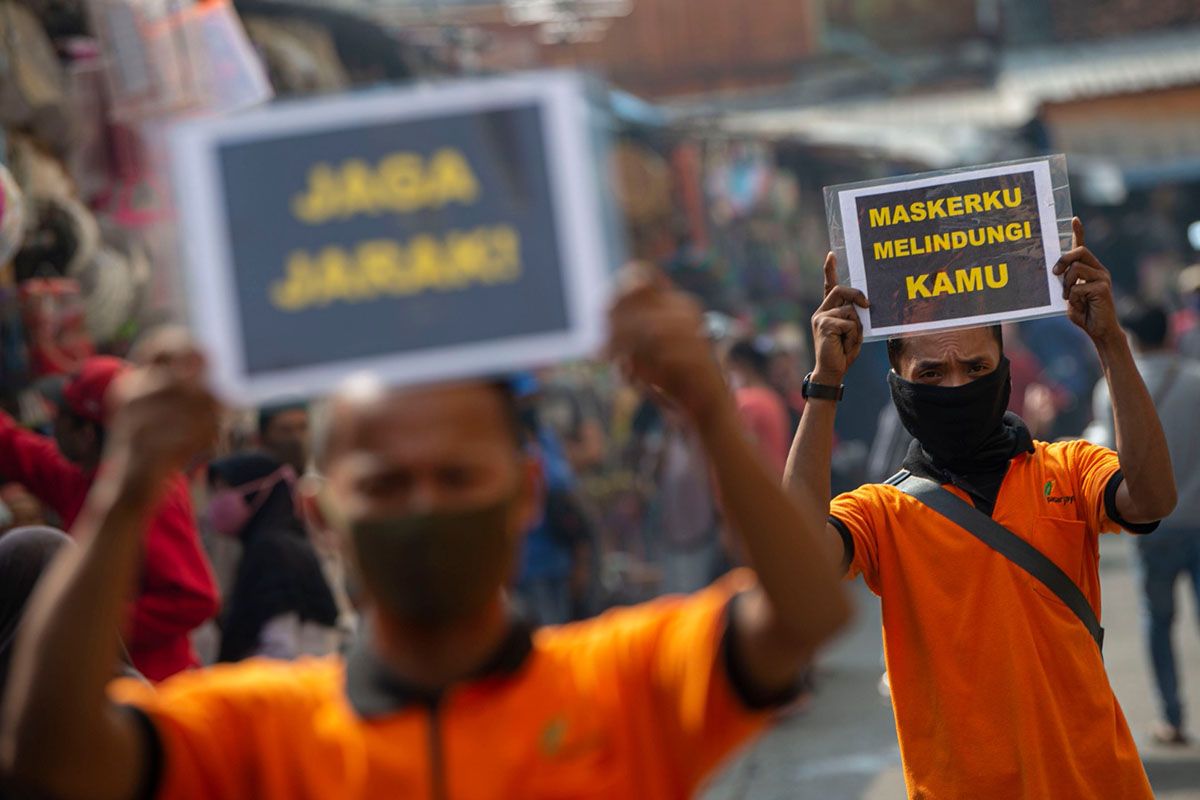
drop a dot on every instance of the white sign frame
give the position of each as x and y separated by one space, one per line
1047 219
575 193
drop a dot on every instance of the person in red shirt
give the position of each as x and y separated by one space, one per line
762 410
177 589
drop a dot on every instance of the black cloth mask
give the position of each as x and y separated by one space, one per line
960 427
963 434
434 569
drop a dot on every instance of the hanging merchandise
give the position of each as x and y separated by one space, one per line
55 324
139 196
37 169
12 216
62 236
235 78
60 232
170 57
301 57
31 78
109 294
113 285
90 161
642 182
739 180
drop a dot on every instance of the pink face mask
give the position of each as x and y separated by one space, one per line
229 510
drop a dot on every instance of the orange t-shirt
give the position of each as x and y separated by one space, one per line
999 690
635 703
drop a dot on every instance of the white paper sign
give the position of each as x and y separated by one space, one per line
952 250
420 234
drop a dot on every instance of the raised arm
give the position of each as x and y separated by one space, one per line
60 735
837 333
798 602
1148 492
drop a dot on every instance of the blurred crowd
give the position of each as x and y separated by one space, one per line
629 512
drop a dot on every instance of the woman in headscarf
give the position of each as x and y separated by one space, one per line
24 555
281 605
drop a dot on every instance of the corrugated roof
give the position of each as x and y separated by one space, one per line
1024 80
1093 69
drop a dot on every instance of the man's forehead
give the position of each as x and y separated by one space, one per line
444 415
945 345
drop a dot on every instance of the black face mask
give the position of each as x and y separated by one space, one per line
953 424
433 569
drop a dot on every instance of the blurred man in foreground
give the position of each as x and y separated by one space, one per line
1173 551
997 679
176 588
446 694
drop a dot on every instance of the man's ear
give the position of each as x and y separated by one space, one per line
531 496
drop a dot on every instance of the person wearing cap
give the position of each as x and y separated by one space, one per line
446 694
996 676
177 591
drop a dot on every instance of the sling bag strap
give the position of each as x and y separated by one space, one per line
1004 542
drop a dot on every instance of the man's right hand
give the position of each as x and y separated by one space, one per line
837 330
163 413
656 336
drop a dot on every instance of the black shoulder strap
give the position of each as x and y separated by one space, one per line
1003 541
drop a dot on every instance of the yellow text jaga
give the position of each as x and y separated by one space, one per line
486 256
401 183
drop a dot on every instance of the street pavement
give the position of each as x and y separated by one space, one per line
843 747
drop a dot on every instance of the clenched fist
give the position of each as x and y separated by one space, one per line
163 411
657 339
1087 288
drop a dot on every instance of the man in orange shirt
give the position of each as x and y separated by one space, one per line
998 687
446 695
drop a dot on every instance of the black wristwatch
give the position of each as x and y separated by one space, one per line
821 391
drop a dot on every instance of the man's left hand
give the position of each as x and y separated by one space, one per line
1087 288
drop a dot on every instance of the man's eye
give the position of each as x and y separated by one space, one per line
455 477
385 485
928 375
978 368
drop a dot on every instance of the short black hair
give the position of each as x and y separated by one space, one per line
747 353
895 346
267 414
1147 322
